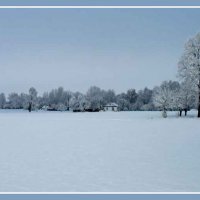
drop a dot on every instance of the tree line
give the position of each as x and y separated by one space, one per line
170 95
94 100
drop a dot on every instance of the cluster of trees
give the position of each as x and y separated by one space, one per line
16 101
184 95
172 95
94 100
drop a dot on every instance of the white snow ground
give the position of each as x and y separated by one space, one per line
98 152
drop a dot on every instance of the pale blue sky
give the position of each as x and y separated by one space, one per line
113 48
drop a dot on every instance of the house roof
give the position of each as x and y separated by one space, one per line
111 105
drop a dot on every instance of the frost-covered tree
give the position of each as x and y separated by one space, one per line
144 100
2 100
14 101
61 107
109 96
83 103
52 97
77 103
162 98
189 65
126 101
66 98
73 104
131 96
24 98
58 95
174 87
95 98
32 99
145 95
123 104
185 98
55 96
44 100
165 96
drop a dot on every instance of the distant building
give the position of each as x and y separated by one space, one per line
44 108
48 108
111 107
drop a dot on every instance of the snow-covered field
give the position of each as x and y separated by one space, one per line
98 152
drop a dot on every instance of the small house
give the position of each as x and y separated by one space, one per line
111 107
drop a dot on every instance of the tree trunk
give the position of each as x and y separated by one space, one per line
180 114
30 107
185 112
164 113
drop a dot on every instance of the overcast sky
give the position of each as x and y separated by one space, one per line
110 48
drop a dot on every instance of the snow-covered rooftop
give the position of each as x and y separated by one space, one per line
111 105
